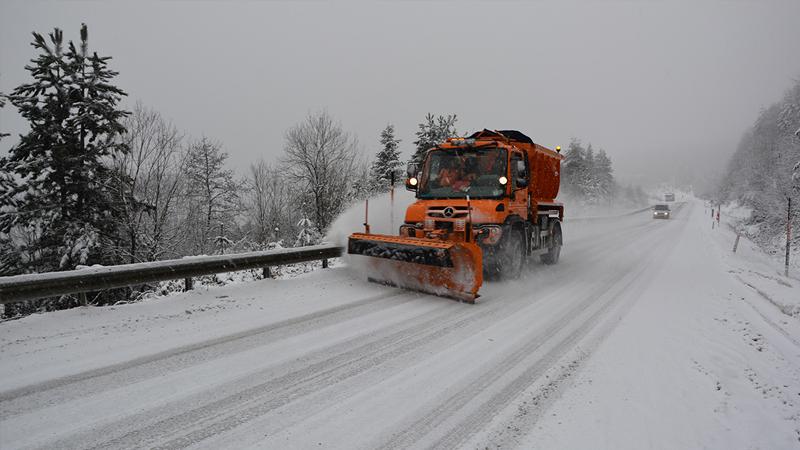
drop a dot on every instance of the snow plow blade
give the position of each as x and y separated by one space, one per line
444 268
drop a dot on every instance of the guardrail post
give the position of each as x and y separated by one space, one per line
266 272
188 284
325 263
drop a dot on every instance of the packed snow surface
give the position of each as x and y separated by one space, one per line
647 334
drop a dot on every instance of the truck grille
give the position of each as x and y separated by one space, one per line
448 212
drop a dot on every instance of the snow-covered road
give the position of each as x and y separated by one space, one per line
641 337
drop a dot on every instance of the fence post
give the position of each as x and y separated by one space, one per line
788 236
736 242
266 272
187 284
325 263
82 299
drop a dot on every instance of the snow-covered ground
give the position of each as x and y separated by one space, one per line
647 334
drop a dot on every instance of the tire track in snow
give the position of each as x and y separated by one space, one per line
507 306
594 329
225 407
267 426
235 407
236 404
31 397
460 432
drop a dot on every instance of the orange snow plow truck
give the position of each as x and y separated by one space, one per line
485 206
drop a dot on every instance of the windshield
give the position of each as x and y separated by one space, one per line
662 208
454 174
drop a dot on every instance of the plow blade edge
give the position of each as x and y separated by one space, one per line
448 269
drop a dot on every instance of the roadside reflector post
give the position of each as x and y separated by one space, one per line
736 243
187 284
266 273
366 216
788 235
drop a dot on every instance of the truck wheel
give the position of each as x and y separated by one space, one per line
554 252
511 255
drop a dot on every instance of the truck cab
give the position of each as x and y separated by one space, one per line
494 188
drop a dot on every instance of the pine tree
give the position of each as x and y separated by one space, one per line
387 160
603 175
433 131
63 200
590 186
573 169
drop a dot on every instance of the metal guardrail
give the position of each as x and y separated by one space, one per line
34 286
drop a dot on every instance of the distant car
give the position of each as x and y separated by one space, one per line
661 212
669 197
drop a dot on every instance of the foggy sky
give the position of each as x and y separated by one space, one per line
666 88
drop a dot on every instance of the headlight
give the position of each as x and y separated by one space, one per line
408 230
503 180
412 181
491 234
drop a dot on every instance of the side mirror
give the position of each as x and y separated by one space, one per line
411 177
411 170
522 180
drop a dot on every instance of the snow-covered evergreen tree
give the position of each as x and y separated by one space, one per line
63 196
603 175
433 131
387 160
221 241
574 172
589 184
588 177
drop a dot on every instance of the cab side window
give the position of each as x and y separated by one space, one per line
519 172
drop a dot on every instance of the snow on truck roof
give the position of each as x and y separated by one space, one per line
509 136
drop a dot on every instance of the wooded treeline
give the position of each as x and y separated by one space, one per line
587 177
764 172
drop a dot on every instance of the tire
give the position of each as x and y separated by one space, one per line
511 256
554 253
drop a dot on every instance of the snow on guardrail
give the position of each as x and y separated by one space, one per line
96 278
